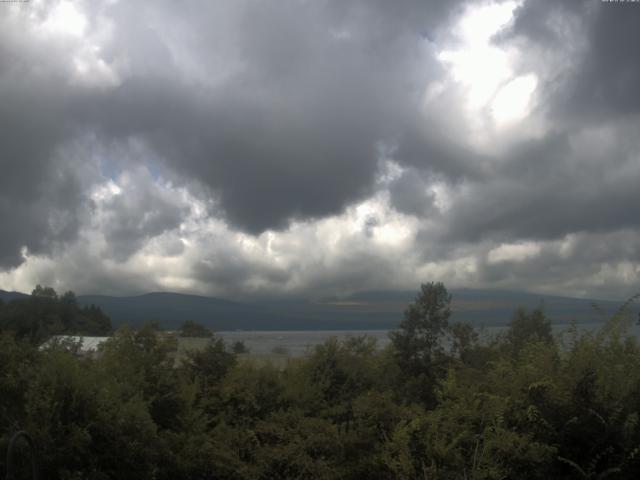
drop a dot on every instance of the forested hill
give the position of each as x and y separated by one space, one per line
363 310
44 313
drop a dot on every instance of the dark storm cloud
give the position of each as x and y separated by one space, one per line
41 194
551 187
409 194
599 78
544 20
277 111
433 146
607 80
294 132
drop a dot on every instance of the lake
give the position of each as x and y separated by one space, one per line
298 342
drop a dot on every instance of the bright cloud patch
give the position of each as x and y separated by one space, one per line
511 103
513 252
476 63
65 18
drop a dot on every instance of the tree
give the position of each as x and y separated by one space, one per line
239 347
88 425
418 342
528 327
92 321
190 328
44 292
464 343
45 313
209 365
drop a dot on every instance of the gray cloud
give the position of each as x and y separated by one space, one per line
601 265
409 194
265 119
41 196
551 187
142 210
278 117
228 272
293 132
599 75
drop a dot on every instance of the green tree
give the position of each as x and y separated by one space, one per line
44 313
91 320
190 328
528 327
88 425
419 341
44 292
251 393
239 347
209 365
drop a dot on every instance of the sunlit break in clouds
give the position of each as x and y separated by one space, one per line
251 149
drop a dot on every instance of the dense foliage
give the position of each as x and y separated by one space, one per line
437 404
189 328
44 314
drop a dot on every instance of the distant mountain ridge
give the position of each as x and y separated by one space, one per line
366 310
8 296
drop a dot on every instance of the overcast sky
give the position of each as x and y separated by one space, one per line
251 148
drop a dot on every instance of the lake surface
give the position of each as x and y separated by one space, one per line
295 342
299 342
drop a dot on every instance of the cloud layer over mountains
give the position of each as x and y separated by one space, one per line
249 149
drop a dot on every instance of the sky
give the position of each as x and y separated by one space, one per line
254 148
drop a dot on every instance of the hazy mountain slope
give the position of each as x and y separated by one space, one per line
362 310
8 296
496 307
171 309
